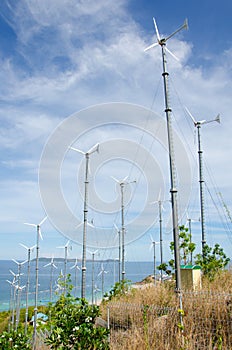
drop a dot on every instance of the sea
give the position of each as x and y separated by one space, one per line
106 273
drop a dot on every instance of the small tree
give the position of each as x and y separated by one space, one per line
186 247
212 260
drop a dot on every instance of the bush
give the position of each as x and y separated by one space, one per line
73 326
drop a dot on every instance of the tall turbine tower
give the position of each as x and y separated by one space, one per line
198 125
122 184
168 110
29 250
38 236
65 247
83 268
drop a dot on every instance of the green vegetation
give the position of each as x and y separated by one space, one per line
212 261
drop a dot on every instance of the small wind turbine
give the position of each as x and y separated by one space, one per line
29 250
76 267
20 264
101 273
65 247
122 184
162 42
153 245
189 222
38 236
87 154
12 302
161 208
96 290
51 275
93 274
198 125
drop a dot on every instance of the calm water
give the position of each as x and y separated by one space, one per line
135 271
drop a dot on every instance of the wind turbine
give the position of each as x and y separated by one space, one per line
12 301
153 245
96 290
101 273
93 149
38 236
93 281
198 125
76 267
119 251
51 275
162 42
161 208
65 247
18 295
189 221
122 184
29 250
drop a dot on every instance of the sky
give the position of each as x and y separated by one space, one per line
74 74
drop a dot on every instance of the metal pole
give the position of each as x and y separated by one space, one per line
27 290
83 268
93 278
173 189
161 239
190 234
201 181
36 288
122 184
154 243
119 255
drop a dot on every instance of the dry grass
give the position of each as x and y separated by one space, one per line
148 317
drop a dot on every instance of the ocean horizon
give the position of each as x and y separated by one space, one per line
136 271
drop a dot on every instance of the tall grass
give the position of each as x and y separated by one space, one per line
149 317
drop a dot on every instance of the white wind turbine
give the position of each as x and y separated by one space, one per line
53 266
122 184
161 208
162 43
96 290
77 268
38 236
87 154
29 251
198 125
12 302
65 247
93 273
101 273
153 245
15 277
18 294
189 222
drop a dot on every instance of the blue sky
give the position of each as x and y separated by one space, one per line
60 57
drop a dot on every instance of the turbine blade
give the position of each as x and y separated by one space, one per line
27 223
151 46
77 150
156 29
15 261
93 149
24 246
44 219
172 54
191 116
115 179
125 178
